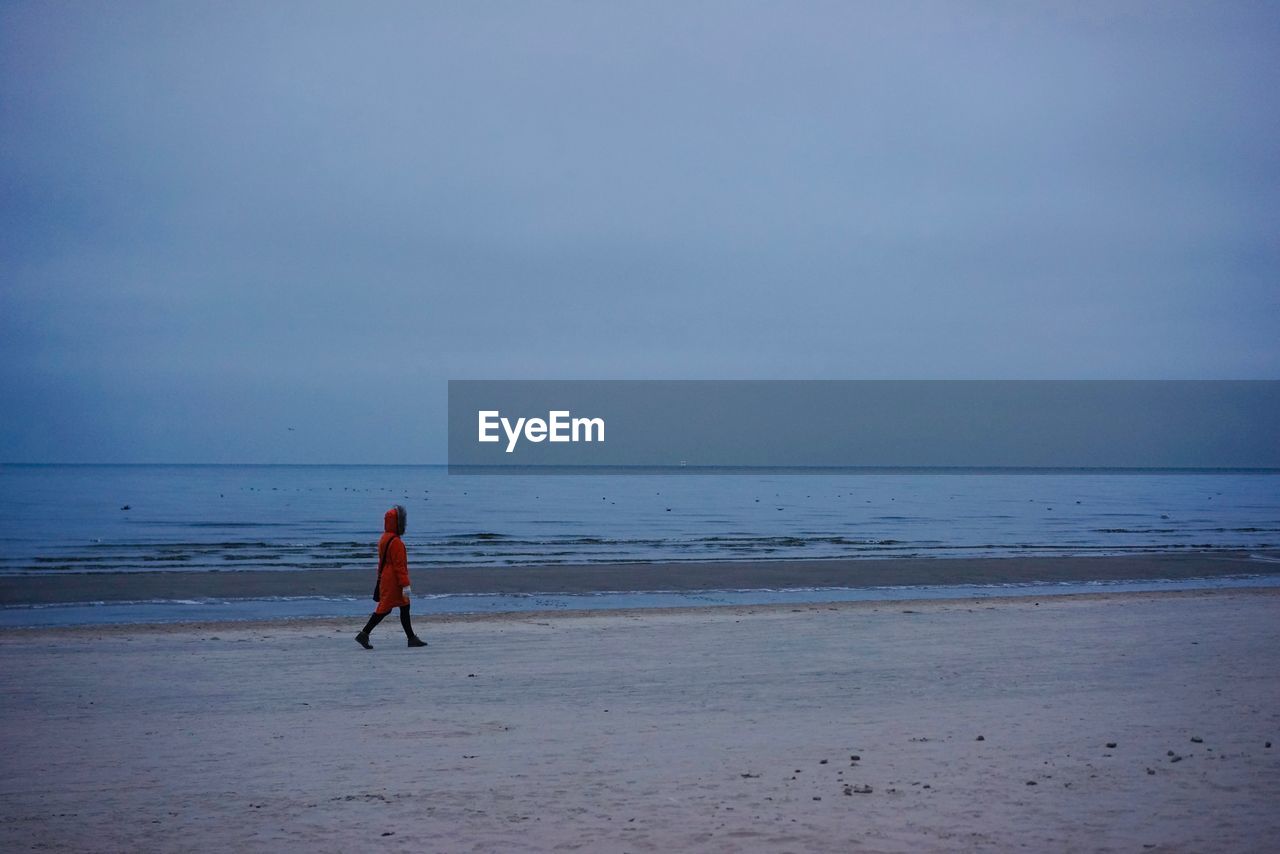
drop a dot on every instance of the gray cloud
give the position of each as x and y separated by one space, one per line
221 220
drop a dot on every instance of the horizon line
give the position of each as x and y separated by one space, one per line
673 467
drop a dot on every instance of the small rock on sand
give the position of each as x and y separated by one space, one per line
1111 744
979 738
1195 739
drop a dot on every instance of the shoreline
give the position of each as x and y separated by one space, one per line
535 617
834 573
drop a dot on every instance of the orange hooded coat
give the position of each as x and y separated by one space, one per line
395 570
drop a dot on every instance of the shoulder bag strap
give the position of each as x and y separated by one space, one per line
382 558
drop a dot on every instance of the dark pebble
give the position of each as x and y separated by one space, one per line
855 757
822 762
1151 770
1031 782
1176 759
1195 739
1111 744
979 738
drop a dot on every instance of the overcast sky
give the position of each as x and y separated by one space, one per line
220 221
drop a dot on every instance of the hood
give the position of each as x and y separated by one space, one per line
393 520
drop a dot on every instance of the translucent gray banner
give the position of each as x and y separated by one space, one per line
574 426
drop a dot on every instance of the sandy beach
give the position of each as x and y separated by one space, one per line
1124 722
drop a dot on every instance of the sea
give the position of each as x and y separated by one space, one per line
201 518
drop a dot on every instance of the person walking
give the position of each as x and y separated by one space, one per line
392 588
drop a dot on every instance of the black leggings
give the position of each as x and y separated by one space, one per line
376 618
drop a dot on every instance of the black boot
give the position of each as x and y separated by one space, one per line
405 624
363 637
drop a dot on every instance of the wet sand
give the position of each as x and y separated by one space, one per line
717 575
1118 722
